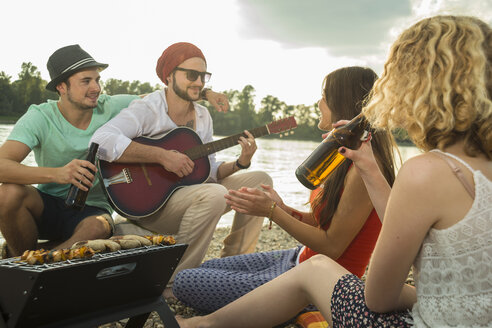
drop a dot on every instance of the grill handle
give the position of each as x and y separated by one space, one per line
117 270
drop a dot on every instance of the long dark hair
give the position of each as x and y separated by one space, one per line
345 91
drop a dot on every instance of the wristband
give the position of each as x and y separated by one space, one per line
242 167
203 94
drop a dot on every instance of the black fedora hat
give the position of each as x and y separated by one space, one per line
67 61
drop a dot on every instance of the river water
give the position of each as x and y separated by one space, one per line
278 157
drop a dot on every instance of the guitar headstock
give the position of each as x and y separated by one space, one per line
284 124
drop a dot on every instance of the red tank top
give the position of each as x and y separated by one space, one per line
356 257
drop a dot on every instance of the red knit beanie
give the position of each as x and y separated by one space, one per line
174 55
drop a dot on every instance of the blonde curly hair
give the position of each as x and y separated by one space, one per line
437 85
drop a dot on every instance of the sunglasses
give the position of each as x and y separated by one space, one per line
192 75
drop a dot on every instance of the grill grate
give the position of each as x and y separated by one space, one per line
16 263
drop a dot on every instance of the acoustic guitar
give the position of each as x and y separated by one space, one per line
137 190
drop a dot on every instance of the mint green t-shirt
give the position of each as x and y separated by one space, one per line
55 142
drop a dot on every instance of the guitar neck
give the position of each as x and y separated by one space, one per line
218 145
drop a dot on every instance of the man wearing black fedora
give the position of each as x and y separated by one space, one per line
58 132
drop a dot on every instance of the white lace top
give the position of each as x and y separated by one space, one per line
453 270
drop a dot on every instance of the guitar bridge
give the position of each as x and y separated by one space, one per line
123 177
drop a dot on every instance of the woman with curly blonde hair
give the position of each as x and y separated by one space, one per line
436 84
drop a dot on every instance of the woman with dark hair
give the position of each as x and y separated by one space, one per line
342 224
344 93
437 85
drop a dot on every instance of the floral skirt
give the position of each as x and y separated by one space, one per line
348 307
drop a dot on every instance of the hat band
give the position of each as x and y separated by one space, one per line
78 64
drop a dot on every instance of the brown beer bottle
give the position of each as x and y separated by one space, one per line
325 158
76 197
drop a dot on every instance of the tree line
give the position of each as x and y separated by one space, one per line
16 96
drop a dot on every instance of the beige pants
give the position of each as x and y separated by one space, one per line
192 213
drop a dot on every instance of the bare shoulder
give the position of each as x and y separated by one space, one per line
354 186
429 185
353 176
425 181
422 169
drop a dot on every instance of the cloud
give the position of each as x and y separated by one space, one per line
478 8
344 28
360 31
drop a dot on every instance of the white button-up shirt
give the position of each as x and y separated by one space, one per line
148 117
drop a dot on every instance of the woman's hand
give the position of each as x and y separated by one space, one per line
273 195
250 201
363 158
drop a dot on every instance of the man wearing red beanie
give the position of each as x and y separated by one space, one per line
192 212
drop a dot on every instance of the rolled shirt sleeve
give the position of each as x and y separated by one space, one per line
116 135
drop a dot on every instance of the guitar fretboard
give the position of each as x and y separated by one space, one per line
215 146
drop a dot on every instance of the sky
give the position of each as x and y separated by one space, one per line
282 48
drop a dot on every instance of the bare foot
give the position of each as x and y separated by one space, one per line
192 322
168 293
181 321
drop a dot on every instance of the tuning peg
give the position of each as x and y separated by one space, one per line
291 132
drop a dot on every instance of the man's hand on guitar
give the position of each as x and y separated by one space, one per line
77 172
178 163
248 148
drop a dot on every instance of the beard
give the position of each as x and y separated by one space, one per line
183 94
78 104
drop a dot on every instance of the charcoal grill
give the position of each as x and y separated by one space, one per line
89 292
